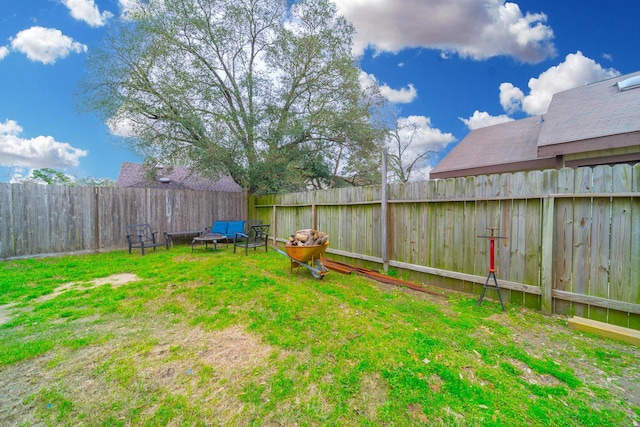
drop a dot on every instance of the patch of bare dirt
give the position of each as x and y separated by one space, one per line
233 348
528 375
372 395
5 314
114 280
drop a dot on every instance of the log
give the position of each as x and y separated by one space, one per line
307 237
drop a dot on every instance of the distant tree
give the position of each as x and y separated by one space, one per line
49 176
266 91
95 182
405 142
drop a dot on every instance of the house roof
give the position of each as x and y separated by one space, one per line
597 116
133 175
495 149
592 117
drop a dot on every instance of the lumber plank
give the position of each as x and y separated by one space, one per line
604 329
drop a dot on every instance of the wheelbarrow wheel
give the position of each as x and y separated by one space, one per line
319 269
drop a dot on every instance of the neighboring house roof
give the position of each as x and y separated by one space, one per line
598 116
495 149
133 175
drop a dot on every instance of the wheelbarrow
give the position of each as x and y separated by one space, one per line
309 257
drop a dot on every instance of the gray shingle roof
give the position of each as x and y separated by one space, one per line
591 111
506 143
132 175
593 117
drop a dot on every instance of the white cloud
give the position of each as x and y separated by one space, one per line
38 152
404 95
4 51
474 29
10 127
576 70
511 98
425 137
87 11
399 96
18 176
367 80
45 45
481 119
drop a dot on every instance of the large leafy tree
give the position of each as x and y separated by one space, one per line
261 90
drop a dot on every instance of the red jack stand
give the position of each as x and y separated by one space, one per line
492 268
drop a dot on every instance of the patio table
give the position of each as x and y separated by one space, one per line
208 238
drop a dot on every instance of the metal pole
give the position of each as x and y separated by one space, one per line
492 267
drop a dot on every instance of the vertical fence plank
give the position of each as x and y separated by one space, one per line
533 236
7 247
634 282
518 236
601 232
621 241
503 251
546 264
564 238
548 244
459 232
481 214
470 241
431 254
582 224
447 219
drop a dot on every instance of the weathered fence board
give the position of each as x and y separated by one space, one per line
533 216
634 283
564 239
619 270
600 253
582 222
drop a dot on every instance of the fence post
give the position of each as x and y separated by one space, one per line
546 262
314 216
383 212
274 223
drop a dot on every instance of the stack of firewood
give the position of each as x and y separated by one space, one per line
308 237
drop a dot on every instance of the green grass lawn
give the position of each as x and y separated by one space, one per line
180 338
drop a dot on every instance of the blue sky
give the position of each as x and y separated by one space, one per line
448 66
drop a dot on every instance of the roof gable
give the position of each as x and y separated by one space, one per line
133 175
598 116
488 147
592 111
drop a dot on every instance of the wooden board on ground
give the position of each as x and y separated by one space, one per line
606 330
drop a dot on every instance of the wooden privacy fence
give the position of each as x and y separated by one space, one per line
572 241
48 219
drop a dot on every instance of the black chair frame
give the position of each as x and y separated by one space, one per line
256 237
